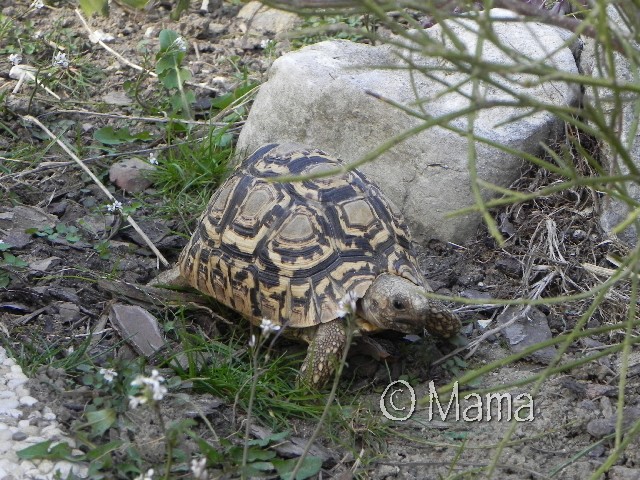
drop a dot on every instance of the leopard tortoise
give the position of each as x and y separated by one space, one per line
295 252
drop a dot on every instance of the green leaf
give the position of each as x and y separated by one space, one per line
111 136
214 457
174 77
273 438
39 450
310 467
4 246
223 101
167 39
180 7
10 259
72 237
181 103
44 450
4 280
101 420
263 466
102 450
139 4
253 454
95 6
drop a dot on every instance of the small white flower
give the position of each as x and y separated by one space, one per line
60 60
99 36
252 341
153 160
108 374
37 4
347 305
198 468
15 58
37 34
116 205
135 402
181 44
151 389
145 476
268 326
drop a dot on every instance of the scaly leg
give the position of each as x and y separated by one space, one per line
324 353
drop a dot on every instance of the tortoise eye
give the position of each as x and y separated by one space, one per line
398 305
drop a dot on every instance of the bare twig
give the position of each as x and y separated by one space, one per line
95 179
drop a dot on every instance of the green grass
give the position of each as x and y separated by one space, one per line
189 172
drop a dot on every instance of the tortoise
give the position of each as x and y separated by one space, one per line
299 253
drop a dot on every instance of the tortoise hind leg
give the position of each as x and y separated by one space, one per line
324 353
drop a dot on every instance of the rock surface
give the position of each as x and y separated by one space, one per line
602 99
258 18
527 329
131 174
318 96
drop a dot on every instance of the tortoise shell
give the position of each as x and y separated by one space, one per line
291 251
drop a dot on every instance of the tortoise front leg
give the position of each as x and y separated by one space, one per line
324 353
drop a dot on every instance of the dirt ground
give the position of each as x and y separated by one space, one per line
57 300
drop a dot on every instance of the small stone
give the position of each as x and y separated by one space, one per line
131 174
69 312
16 382
5 435
28 401
19 436
117 98
46 467
21 391
44 264
579 234
8 404
63 469
49 416
51 431
34 439
618 472
529 327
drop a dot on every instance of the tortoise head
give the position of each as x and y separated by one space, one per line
395 303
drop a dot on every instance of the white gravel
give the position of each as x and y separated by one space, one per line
24 421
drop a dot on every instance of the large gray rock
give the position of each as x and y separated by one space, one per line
318 96
624 119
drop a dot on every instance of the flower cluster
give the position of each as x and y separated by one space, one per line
347 305
268 326
198 468
181 44
109 374
60 60
145 476
15 58
151 389
116 205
